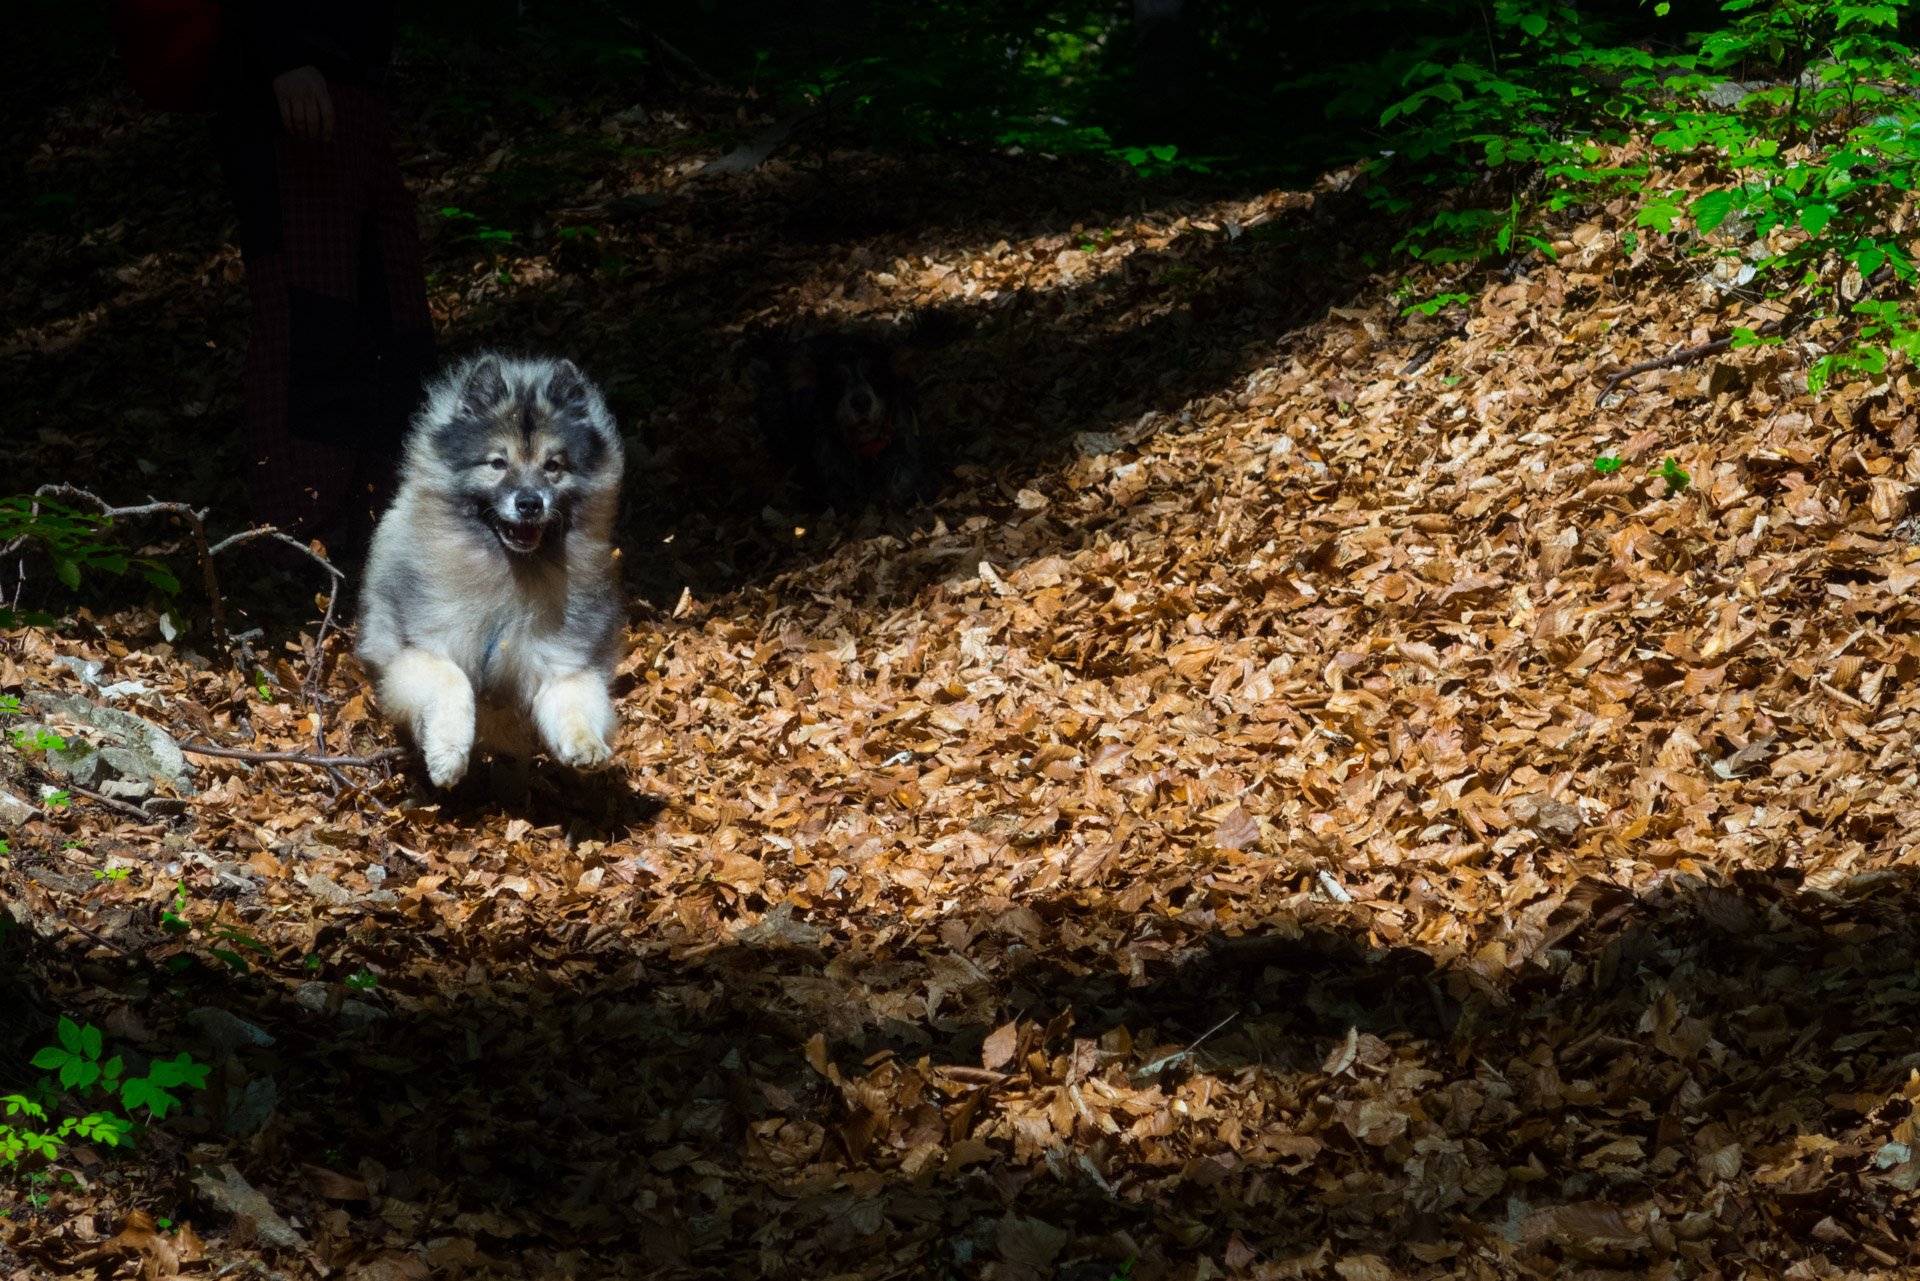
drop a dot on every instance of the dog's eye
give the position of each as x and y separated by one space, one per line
555 466
498 464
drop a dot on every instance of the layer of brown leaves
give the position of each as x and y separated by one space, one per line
1317 827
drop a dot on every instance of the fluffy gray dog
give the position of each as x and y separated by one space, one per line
491 615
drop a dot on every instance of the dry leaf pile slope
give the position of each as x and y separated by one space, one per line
1326 829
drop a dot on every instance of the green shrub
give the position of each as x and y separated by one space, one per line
1499 127
78 1078
77 544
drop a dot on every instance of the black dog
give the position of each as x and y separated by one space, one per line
839 410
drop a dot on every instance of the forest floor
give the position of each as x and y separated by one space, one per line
1282 812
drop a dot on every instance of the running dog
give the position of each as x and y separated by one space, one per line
491 616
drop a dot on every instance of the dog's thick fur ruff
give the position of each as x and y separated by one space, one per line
491 615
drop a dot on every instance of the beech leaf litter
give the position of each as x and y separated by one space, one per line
1283 812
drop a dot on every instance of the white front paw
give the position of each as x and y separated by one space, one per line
446 759
580 744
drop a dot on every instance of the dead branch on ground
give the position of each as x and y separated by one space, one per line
196 526
292 758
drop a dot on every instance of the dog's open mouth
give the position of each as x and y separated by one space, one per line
520 536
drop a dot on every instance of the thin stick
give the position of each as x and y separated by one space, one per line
316 667
111 802
1682 357
107 943
196 525
292 758
268 531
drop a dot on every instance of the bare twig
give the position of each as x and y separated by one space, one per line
1420 358
316 669
196 526
268 531
100 939
111 802
1684 356
292 758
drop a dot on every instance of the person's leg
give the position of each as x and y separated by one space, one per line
292 484
396 327
310 434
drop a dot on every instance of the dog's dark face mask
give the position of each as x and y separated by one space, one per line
521 452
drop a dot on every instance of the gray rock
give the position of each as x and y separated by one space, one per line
136 750
126 767
1092 444
227 1030
170 761
327 890
249 1108
311 996
358 1015
229 1192
77 762
14 811
87 669
133 790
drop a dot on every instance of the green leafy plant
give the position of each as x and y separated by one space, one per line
493 239
173 918
77 544
362 981
1524 109
1437 304
1670 472
224 942
77 1076
1607 464
41 740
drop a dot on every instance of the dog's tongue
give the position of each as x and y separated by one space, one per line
524 535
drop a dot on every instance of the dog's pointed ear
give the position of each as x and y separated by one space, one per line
567 388
485 386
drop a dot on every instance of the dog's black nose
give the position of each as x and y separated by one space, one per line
528 505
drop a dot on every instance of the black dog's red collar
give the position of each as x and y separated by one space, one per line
869 448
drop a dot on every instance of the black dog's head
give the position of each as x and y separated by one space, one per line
858 385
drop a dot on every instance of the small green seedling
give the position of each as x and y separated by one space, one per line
112 873
1607 464
1434 306
217 934
1670 472
362 981
173 919
41 740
